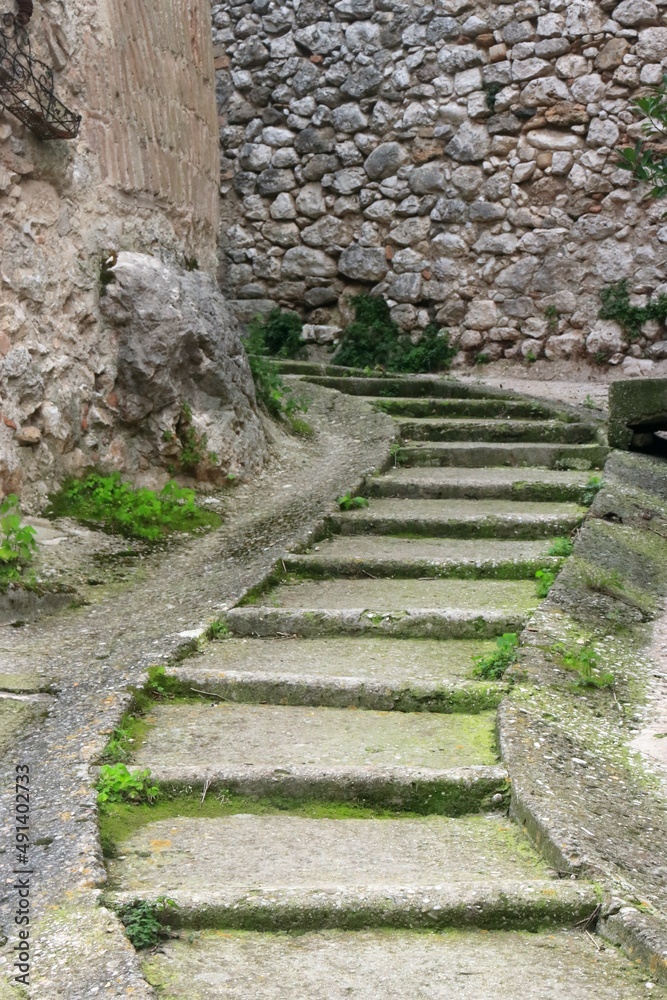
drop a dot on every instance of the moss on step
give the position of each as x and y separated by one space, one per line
118 821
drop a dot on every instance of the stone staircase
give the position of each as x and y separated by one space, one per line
351 751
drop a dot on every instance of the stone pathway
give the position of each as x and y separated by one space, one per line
346 754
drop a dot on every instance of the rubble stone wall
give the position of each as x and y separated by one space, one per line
460 158
141 177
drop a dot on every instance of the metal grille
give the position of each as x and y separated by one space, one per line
26 86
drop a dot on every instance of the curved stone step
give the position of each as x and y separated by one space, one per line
473 455
394 965
290 872
381 674
461 518
462 429
392 556
528 409
451 623
401 386
502 483
421 761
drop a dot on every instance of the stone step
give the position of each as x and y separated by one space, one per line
479 519
462 429
528 409
448 623
391 556
402 386
407 594
473 455
382 674
281 872
503 483
395 965
405 760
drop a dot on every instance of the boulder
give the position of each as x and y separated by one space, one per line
177 341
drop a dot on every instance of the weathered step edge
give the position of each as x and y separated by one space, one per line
507 905
318 565
494 430
262 687
483 526
469 408
383 488
470 455
440 791
264 622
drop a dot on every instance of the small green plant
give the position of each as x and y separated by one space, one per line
271 391
194 453
142 923
561 547
491 91
591 490
648 164
395 453
582 658
616 305
160 684
431 353
545 579
589 402
531 357
552 316
118 749
279 333
493 666
190 263
114 506
217 630
374 340
18 543
482 358
348 502
117 784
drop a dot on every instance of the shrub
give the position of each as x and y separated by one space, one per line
648 164
115 506
278 334
616 305
17 541
493 666
374 340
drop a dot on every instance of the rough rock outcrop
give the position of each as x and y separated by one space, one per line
177 344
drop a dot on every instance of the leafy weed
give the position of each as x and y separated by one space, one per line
493 666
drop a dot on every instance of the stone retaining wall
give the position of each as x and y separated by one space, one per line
142 176
459 158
